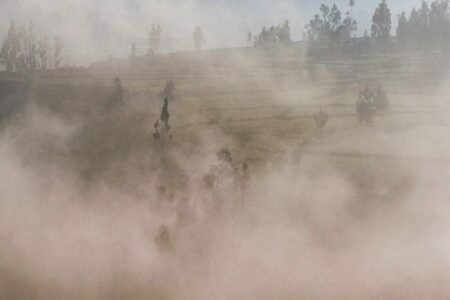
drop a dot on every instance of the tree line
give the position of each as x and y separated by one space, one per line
23 50
427 27
275 35
330 25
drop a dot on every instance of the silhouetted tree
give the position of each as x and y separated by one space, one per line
169 91
352 4
426 27
321 119
118 96
29 49
330 26
279 35
162 239
381 22
22 51
154 39
199 38
133 51
402 28
365 109
370 103
284 33
162 126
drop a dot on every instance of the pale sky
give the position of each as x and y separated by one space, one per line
93 29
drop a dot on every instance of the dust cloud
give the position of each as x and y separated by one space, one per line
310 227
234 194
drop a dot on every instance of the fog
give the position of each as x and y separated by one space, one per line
236 192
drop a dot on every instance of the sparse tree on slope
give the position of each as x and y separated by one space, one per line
118 96
162 128
169 91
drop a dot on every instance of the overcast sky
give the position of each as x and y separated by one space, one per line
94 29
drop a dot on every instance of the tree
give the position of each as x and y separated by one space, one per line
274 36
380 100
58 46
371 103
162 239
133 51
10 50
381 22
162 130
365 108
426 27
330 26
42 52
199 38
284 33
25 51
440 22
154 39
403 27
169 91
352 4
30 49
249 38
321 119
118 96
349 25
